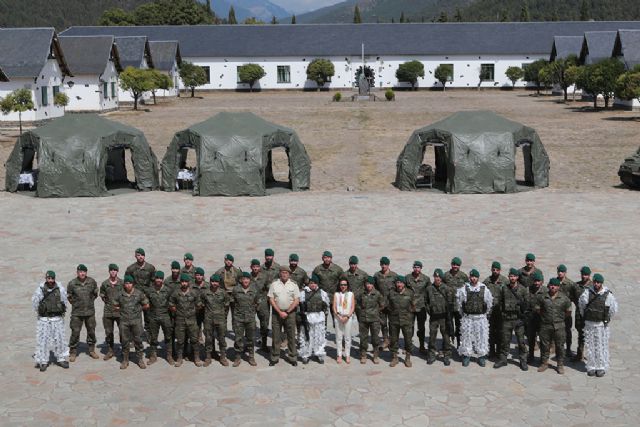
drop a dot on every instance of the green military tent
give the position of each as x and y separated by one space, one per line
78 154
475 152
233 156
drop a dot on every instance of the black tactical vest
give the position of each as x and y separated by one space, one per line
51 304
475 303
313 301
596 310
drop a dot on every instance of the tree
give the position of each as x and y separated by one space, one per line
137 81
293 19
524 12
274 21
173 12
443 17
585 15
532 73
232 16
250 74
556 72
443 73
18 101
409 72
504 15
192 76
61 99
402 20
628 85
116 17
514 74
356 15
252 20
159 81
600 79
320 70
458 16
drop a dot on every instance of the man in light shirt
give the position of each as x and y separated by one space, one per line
284 299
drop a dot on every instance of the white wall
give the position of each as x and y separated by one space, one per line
86 93
223 71
49 77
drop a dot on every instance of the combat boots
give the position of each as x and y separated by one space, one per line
179 360
125 360
394 360
170 360
141 364
73 353
543 366
482 361
500 363
207 359
560 369
422 349
523 364
407 360
236 362
152 357
579 354
92 352
252 360
109 354
363 358
223 359
376 360
196 359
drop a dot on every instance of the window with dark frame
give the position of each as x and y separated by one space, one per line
207 72
44 96
487 72
284 74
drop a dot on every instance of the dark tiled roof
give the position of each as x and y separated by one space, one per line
598 45
507 38
165 54
88 54
132 49
563 46
25 51
627 46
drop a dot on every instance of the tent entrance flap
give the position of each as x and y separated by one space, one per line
524 175
432 172
28 180
278 169
187 167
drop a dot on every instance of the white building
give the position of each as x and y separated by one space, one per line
167 60
133 52
94 62
627 49
31 58
284 51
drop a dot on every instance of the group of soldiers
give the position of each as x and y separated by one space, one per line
479 317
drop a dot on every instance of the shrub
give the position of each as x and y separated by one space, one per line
337 97
390 95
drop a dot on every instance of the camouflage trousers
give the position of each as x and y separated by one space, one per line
555 333
215 329
394 337
76 323
186 329
434 326
131 331
244 332
109 323
157 323
510 327
366 329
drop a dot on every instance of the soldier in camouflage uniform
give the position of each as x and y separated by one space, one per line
532 326
130 303
385 282
329 274
173 281
495 282
455 279
402 307
230 276
439 302
259 279
110 317
312 334
81 293
216 302
159 318
199 285
142 273
189 268
475 302
369 304
529 269
355 277
511 300
298 274
270 267
581 286
419 282
184 303
569 288
246 299
553 308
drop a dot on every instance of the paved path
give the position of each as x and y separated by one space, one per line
598 229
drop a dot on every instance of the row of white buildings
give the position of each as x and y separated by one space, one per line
84 62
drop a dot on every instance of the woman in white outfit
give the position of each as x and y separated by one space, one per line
343 306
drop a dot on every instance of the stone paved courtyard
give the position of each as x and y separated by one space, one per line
595 228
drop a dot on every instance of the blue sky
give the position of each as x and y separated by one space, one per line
301 6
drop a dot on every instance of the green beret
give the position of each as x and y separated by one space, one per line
188 256
246 274
294 257
530 257
496 264
113 267
456 261
140 251
514 272
128 278
159 275
327 253
184 277
598 278
371 279
269 252
562 268
215 278
199 270
438 273
255 262
585 270
314 278
384 260
417 264
51 274
474 273
175 265
82 267
537 276
554 282
400 278
229 257
285 268
353 259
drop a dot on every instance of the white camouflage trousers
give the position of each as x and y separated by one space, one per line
50 336
474 335
596 343
316 343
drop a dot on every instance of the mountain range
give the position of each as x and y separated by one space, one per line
262 10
